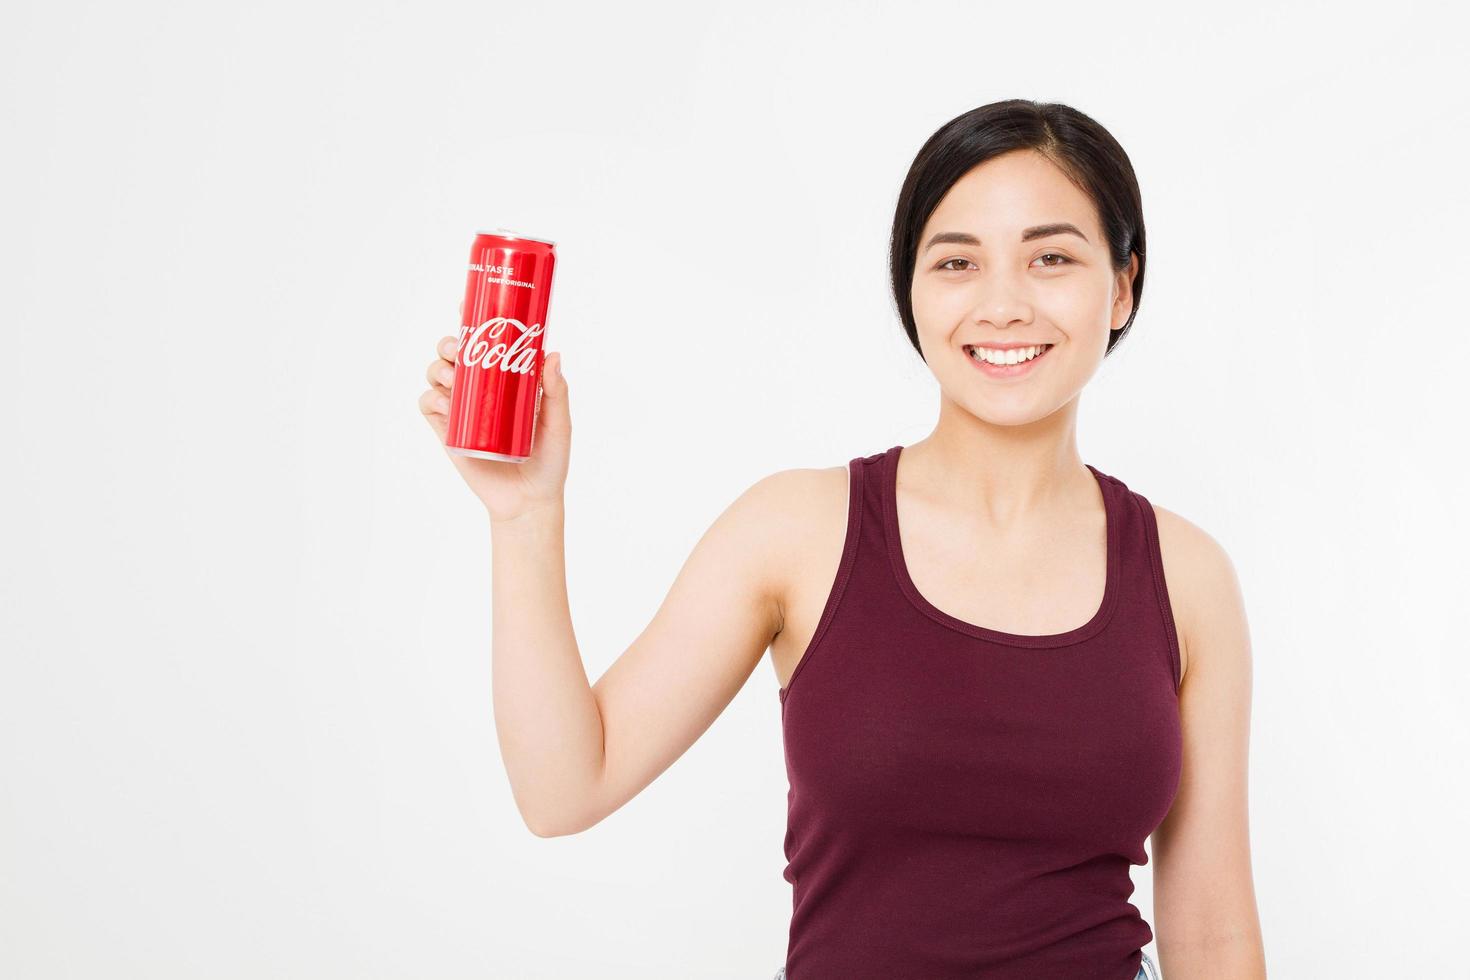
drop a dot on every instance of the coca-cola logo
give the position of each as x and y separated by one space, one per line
483 347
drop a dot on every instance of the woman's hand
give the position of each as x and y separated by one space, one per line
508 490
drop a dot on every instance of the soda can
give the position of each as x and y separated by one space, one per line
496 396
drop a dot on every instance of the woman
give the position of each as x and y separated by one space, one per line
1001 669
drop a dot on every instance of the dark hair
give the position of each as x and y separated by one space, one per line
1075 142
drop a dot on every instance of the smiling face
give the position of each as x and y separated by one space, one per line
1014 257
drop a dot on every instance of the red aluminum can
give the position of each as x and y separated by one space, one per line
496 395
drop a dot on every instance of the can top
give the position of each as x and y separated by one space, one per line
507 233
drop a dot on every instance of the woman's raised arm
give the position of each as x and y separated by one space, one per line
575 753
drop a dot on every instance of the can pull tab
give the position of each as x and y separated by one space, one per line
508 233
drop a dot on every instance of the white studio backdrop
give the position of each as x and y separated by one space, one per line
245 710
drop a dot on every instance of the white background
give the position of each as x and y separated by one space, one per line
245 701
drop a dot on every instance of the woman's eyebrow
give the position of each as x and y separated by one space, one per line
1034 232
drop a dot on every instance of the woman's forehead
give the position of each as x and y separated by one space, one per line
1001 204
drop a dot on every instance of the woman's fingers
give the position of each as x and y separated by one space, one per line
441 374
434 402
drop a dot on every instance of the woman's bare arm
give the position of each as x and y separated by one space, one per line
1204 897
576 753
545 716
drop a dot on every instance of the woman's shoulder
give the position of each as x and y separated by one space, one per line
797 519
1204 590
785 504
790 500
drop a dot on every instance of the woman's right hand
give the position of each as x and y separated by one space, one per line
508 490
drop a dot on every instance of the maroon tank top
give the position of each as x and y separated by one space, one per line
966 802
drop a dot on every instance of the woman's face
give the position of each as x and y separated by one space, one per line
1008 269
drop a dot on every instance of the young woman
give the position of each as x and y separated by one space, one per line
1001 669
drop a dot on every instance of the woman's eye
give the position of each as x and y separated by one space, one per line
1053 255
945 264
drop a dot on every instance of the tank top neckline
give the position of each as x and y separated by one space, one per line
888 490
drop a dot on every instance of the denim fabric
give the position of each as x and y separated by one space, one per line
1146 971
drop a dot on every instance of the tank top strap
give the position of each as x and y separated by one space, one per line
1142 600
1145 593
869 491
863 549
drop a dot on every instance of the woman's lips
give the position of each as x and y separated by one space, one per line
1006 370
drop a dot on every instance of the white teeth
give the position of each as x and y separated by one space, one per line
1013 356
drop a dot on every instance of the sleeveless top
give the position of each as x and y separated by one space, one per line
966 802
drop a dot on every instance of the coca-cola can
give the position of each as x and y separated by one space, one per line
496 396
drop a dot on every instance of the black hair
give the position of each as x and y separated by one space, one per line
1076 143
